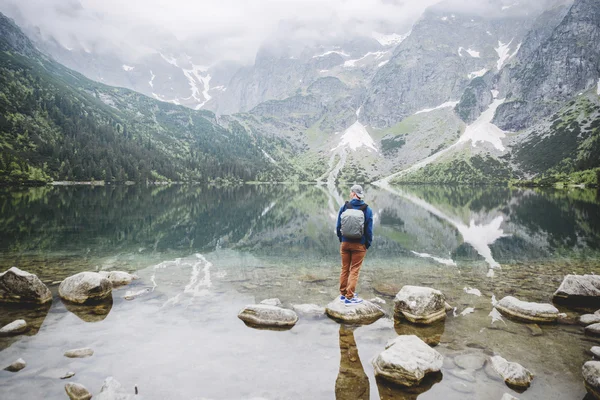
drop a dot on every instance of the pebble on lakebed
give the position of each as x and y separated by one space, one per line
16 366
14 328
79 353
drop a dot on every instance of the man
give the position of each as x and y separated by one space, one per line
355 231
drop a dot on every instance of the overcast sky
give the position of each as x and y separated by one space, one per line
225 29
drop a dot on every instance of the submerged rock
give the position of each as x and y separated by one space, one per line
527 311
268 316
470 361
272 302
421 305
385 289
363 313
90 312
79 353
113 390
579 289
588 319
514 374
309 309
507 396
85 287
118 278
16 366
593 330
406 360
14 328
18 286
591 378
430 334
76 391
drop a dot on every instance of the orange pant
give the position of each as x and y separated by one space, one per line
353 255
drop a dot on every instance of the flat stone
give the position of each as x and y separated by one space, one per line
309 309
535 329
421 305
385 289
118 278
18 286
68 375
591 378
113 390
363 313
470 361
589 319
76 391
406 360
514 374
579 289
507 396
272 302
16 366
595 351
268 316
79 353
14 328
527 311
85 287
593 330
464 374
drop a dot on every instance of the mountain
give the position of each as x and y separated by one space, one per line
57 124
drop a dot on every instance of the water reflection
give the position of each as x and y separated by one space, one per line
352 382
95 312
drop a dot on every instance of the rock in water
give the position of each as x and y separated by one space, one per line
76 391
14 328
85 287
472 362
68 375
118 278
406 360
579 289
113 390
513 374
309 309
16 366
591 378
272 302
595 350
79 353
507 396
588 319
363 313
268 316
527 311
593 330
19 286
421 305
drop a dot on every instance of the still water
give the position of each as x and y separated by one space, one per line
203 253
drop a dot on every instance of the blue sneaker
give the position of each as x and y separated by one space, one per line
353 301
342 298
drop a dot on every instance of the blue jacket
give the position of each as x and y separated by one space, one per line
367 238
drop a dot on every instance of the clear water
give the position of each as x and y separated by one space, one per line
203 253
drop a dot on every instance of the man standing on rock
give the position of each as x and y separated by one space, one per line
355 231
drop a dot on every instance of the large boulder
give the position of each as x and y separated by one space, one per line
85 287
579 289
18 286
406 360
363 313
514 374
264 315
591 378
118 278
14 328
76 391
421 305
527 311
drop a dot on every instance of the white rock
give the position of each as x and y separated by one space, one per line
527 311
588 319
79 353
14 328
268 316
377 300
419 304
513 373
406 360
593 330
272 302
16 366
84 287
76 391
595 351
579 288
309 309
363 313
118 278
132 294
591 378
18 286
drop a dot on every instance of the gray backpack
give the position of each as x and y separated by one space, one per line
353 221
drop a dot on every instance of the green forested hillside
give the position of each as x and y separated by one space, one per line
57 125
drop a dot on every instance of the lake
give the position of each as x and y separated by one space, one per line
203 253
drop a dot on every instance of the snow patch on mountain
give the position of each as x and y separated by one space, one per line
504 54
127 68
170 60
220 88
356 136
443 105
341 53
161 98
195 78
376 54
471 52
268 157
151 81
393 39
381 64
477 74
598 89
482 130
444 261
